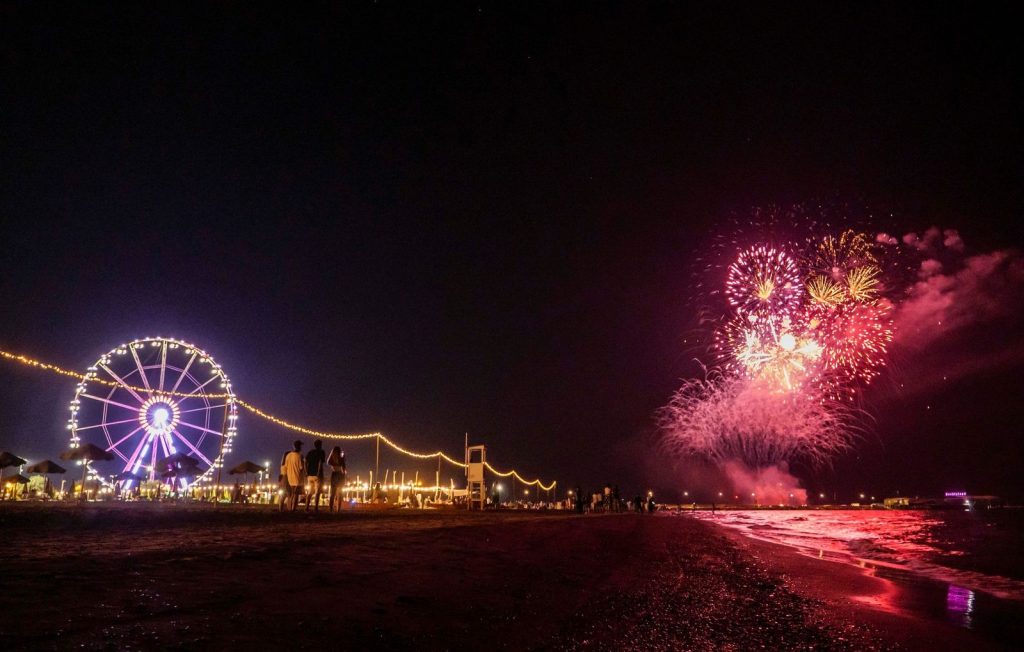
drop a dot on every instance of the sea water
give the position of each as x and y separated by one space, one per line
967 565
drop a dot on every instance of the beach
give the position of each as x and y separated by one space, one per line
179 576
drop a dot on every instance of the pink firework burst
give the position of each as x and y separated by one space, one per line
764 281
856 338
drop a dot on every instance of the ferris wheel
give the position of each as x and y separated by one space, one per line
155 403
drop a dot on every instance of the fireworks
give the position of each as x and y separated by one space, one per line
800 342
862 282
732 418
763 281
823 291
835 257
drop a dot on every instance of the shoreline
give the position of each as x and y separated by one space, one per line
908 607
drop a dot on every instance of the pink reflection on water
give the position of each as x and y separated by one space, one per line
960 606
903 541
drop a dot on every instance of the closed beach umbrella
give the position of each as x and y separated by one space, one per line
86 453
8 459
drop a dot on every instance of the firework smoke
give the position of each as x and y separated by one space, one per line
729 418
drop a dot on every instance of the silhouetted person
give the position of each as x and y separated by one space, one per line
339 471
578 503
651 505
291 477
638 504
315 462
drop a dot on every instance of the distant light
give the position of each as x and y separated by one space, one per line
956 494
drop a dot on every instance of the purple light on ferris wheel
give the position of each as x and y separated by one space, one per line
150 399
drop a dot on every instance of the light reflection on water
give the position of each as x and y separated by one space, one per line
959 605
914 542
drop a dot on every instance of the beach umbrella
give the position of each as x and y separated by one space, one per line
180 461
8 459
86 453
17 478
244 469
46 467
181 472
190 472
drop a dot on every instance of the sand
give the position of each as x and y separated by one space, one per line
167 576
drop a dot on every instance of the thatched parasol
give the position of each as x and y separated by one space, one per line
8 459
86 453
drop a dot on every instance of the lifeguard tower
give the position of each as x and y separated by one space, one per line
476 461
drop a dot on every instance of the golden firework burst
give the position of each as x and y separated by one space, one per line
824 291
862 282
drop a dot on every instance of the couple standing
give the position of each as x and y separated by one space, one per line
295 471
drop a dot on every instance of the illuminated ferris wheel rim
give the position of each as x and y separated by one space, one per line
159 411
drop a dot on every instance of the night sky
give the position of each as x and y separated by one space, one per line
431 220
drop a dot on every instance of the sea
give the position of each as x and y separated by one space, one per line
966 567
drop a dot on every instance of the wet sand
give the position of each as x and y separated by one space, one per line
165 576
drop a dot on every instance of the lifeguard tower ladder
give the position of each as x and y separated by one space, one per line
476 492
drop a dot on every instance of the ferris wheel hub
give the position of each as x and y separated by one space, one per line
159 415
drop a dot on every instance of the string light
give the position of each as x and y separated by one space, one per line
91 377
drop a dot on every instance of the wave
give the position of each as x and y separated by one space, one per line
901 541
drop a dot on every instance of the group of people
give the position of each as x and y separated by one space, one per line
304 476
611 501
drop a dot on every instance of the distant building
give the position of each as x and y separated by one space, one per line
951 500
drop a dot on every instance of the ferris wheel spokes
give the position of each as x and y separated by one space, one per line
113 446
193 448
123 384
163 364
212 432
107 400
183 372
142 372
215 377
205 407
109 423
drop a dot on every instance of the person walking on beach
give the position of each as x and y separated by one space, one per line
291 476
315 462
338 472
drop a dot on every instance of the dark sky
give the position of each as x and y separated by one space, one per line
430 220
